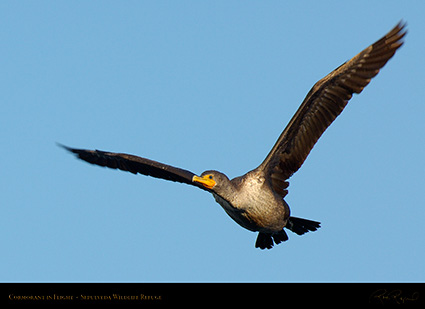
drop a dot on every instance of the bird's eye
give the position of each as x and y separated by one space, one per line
211 177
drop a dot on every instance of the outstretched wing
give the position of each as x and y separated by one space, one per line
135 164
323 104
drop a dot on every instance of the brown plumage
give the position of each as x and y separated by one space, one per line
324 102
255 200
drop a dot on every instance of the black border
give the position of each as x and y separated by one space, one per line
157 294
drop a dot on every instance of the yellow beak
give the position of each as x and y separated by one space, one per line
205 180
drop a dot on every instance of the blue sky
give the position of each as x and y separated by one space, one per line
204 85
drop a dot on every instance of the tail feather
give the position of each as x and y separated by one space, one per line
300 226
296 225
265 240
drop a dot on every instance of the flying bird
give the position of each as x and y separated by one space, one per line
256 200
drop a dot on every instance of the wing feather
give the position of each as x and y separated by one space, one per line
323 104
135 164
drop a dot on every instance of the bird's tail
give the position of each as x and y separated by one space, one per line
300 226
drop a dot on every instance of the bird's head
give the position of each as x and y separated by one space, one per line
212 180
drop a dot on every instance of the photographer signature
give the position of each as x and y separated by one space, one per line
392 296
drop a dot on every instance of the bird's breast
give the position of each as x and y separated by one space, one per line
256 208
240 216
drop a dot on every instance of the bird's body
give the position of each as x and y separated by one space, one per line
256 200
256 207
